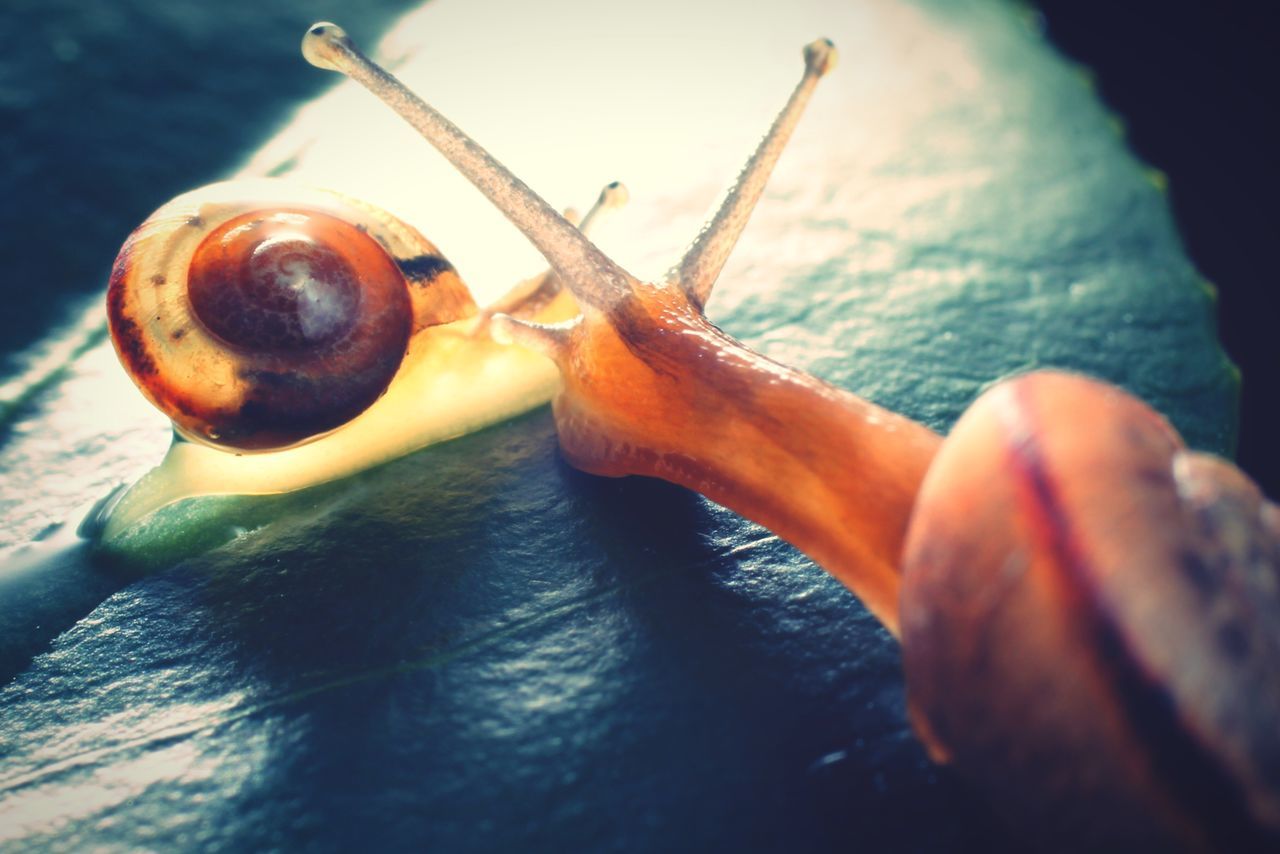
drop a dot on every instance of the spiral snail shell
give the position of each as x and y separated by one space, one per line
1091 621
258 315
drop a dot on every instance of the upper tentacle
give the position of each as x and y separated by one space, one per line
698 270
592 276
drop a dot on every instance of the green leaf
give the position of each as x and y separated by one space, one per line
478 647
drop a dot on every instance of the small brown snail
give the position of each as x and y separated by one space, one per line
258 315
1089 613
296 336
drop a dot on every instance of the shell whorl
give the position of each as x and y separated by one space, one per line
258 315
1089 609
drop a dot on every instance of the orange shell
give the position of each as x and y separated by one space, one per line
1077 639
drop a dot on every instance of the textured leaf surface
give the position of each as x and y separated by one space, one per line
476 647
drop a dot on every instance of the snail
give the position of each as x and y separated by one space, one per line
295 336
1089 613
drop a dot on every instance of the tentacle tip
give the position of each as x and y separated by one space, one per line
323 41
820 56
614 195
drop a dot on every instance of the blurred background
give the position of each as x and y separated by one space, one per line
106 114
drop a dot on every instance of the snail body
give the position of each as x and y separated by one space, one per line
1046 542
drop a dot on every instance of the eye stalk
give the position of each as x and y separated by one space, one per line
595 280
588 273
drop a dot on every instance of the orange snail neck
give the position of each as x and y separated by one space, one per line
658 390
652 388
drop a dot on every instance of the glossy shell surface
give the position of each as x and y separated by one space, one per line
258 315
1091 611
